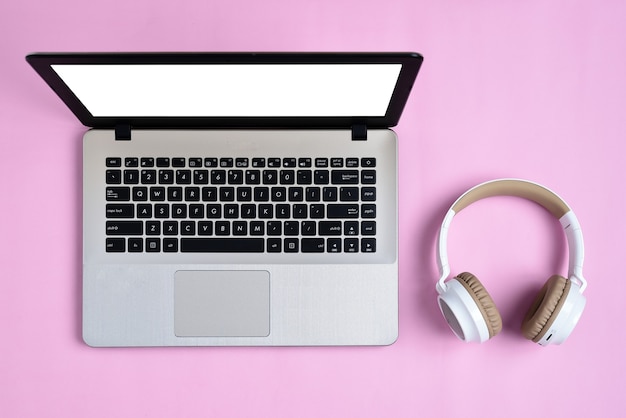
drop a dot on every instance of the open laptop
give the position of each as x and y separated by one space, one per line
237 199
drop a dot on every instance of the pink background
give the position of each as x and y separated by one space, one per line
529 89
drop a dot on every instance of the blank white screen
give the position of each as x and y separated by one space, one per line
241 90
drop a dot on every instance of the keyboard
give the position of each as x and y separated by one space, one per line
240 205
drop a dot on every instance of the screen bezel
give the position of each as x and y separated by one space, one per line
411 62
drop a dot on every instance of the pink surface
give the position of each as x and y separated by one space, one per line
525 89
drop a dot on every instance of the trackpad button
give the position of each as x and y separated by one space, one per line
222 303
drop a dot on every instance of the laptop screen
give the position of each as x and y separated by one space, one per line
276 90
231 90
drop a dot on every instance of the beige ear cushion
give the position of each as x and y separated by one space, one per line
545 308
483 300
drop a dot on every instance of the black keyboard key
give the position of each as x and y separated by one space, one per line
135 245
338 211
329 194
368 177
241 162
183 176
131 176
201 176
117 194
222 245
131 162
351 228
304 177
114 177
330 228
351 245
178 162
345 177
309 228
148 176
157 194
170 245
313 194
188 228
291 245
291 228
257 228
140 194
192 194
162 211
144 210
368 194
253 176
349 194
205 228
274 228
153 228
170 228
352 162
288 176
209 194
368 211
368 228
195 162
163 162
226 162
274 245
279 194
333 245
147 162
210 162
270 176
258 162
175 194
124 228
153 245
115 245
120 210
166 176
368 245
218 177
222 228
368 162
273 162
304 162
235 176
113 162
336 162
289 162
312 245
321 162
321 177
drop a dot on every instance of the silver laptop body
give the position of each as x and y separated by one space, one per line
214 214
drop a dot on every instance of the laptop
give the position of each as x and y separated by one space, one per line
235 199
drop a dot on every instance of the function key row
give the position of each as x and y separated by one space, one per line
305 162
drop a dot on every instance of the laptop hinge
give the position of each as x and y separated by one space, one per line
359 132
122 132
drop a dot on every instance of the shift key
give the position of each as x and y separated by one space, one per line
124 228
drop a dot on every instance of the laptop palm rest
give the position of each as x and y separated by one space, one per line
222 303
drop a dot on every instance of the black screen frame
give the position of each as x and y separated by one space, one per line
411 62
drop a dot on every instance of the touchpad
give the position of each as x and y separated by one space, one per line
222 303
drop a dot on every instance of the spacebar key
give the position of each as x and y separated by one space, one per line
222 245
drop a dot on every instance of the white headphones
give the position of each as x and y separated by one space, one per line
466 304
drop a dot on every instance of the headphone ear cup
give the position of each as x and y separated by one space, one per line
484 302
545 308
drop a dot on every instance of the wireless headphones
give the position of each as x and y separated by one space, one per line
466 304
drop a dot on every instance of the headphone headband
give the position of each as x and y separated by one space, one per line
527 190
511 187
